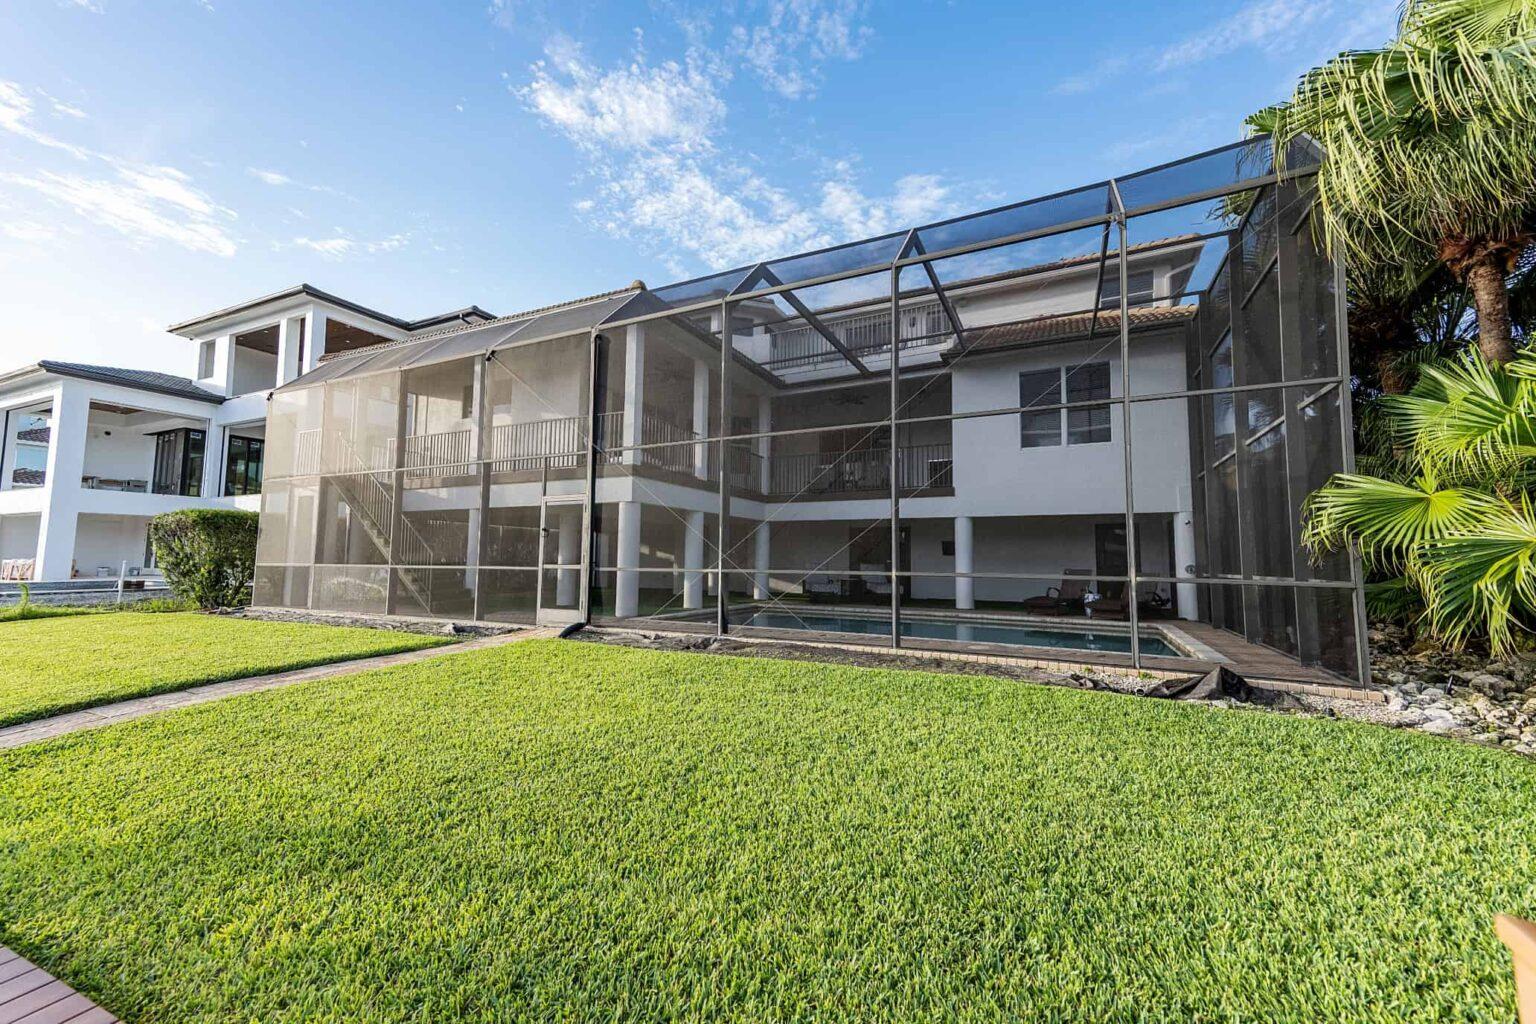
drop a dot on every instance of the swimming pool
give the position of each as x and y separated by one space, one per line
1075 639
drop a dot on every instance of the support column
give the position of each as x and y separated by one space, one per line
965 561
764 444
224 364
693 560
701 417
626 599
68 426
634 392
1186 594
760 562
290 333
569 553
314 339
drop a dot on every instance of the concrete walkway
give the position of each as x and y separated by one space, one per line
138 707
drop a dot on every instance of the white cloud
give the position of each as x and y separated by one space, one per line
269 177
84 5
335 248
145 203
651 130
1265 27
16 110
629 107
1264 24
31 232
61 108
341 245
1172 139
788 48
148 204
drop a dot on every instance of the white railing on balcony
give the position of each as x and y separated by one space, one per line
863 333
561 443
817 475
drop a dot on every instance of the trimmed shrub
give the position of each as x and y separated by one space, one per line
208 555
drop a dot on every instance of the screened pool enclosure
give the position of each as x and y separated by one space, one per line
1084 423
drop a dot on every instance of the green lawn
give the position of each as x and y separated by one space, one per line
562 831
56 664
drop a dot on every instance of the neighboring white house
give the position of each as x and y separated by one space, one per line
89 453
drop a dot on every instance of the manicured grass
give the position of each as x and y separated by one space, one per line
55 664
561 831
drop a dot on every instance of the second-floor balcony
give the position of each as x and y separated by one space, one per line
802 347
668 450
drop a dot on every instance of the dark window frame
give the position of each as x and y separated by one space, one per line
248 486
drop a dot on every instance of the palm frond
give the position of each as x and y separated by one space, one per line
1467 419
1483 579
1389 521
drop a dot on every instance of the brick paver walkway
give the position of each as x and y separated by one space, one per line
30 995
138 707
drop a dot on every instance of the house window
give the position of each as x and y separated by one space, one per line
179 462
1142 292
204 360
1040 429
242 470
1086 383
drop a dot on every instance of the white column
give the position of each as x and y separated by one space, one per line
965 561
224 364
68 426
215 451
634 391
11 421
760 556
472 542
764 444
1188 594
315 321
626 595
701 417
289 330
693 559
569 553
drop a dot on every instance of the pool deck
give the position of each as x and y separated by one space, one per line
1211 647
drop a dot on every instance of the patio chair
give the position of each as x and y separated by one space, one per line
1059 600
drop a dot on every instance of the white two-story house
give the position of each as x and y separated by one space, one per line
89 453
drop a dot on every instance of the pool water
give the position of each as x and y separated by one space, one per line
973 632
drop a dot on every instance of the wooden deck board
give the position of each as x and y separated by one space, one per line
33 996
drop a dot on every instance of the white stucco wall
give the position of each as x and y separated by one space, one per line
18 536
108 541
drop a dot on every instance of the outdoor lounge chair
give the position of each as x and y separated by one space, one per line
1062 599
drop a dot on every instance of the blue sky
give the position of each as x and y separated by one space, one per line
163 159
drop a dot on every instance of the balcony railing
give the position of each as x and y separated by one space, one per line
864 334
102 483
561 444
814 475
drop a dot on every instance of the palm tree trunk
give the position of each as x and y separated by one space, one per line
1490 293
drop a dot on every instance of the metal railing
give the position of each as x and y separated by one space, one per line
101 483
864 333
817 475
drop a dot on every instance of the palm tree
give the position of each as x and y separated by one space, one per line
1430 153
1454 518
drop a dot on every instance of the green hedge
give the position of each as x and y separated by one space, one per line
208 555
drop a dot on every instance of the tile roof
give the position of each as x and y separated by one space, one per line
139 380
526 314
36 435
1050 329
